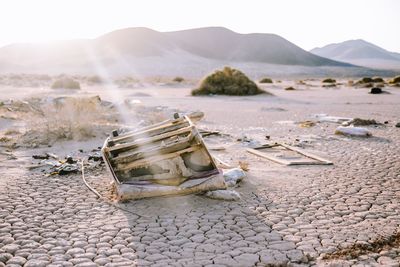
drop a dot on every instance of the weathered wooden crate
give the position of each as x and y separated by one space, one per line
168 158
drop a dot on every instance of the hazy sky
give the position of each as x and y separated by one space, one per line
307 23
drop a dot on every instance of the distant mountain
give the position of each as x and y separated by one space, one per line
360 52
142 51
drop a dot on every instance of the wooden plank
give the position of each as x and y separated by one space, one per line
307 154
143 141
148 161
151 131
319 160
157 150
264 155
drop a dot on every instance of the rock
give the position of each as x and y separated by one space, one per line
234 176
247 259
389 262
4 257
282 246
11 248
375 90
290 88
75 251
96 156
223 195
67 168
352 131
18 260
361 122
36 263
398 125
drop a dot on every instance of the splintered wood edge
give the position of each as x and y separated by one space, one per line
151 160
142 141
153 127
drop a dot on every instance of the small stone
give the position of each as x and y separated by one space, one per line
36 263
4 257
375 90
282 246
18 260
229 195
74 251
11 248
247 259
386 261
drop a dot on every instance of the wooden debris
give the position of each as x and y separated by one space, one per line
307 159
167 158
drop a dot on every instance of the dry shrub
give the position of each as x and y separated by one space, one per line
94 79
228 81
329 80
178 79
66 118
66 83
266 80
244 165
395 80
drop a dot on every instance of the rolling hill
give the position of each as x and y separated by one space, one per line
360 52
194 52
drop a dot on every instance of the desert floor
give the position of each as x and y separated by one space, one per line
288 215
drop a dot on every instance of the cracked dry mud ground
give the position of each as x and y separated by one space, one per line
287 216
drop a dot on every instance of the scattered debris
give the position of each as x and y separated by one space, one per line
356 250
234 176
352 131
326 118
96 156
68 168
361 122
229 195
167 158
244 165
329 85
221 164
273 109
43 156
244 139
376 90
287 155
307 124
206 133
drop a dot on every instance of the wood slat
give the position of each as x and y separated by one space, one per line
148 161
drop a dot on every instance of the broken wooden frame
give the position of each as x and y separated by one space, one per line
166 158
317 160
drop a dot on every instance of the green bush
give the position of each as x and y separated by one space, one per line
329 80
65 83
366 80
178 79
228 81
395 80
377 80
266 80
